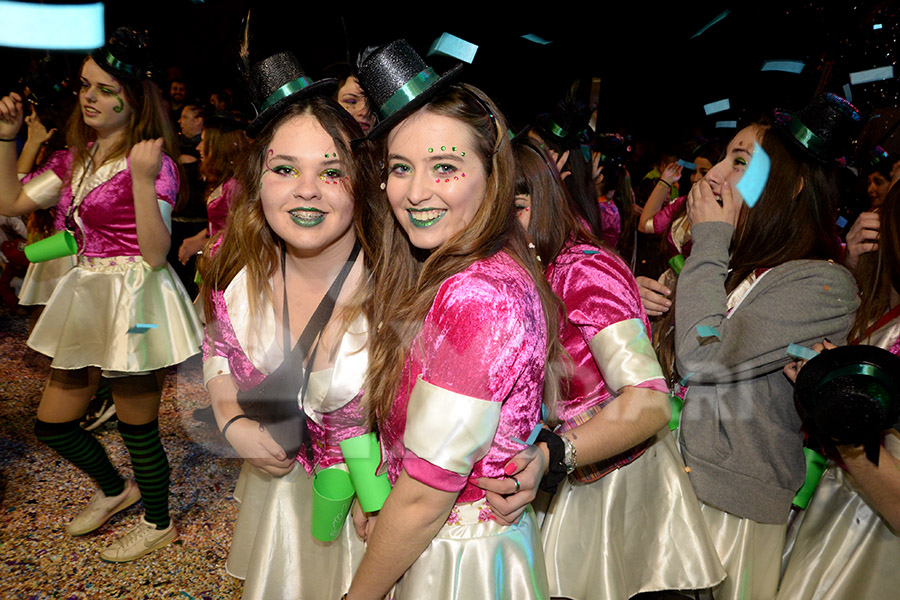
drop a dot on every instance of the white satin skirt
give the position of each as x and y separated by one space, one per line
750 553
41 279
90 318
637 529
273 550
471 558
843 548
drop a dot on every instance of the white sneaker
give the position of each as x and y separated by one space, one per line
101 508
141 539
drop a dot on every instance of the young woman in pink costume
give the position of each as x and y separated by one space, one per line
457 361
120 312
293 230
626 519
846 545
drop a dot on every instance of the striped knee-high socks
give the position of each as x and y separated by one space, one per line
82 450
151 469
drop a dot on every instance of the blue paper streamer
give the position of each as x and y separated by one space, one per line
841 222
536 39
707 331
754 180
877 74
687 165
450 45
51 26
787 66
531 437
847 93
801 352
726 124
715 20
717 106
876 26
591 251
142 327
684 379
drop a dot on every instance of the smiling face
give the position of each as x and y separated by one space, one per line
737 157
354 101
877 188
305 195
436 181
703 167
102 100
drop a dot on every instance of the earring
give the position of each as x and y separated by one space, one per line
383 185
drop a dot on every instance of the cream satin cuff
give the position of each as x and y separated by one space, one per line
165 210
213 367
447 429
44 189
625 355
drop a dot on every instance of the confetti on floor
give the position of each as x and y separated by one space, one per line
40 493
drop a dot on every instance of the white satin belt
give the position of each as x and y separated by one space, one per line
449 430
256 335
625 355
885 336
44 189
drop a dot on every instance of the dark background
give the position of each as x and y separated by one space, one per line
654 77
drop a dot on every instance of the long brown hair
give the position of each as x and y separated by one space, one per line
878 272
249 242
222 150
792 220
407 279
149 120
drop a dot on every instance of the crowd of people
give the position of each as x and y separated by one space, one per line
576 372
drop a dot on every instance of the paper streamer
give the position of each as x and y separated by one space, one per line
142 327
754 180
847 93
687 165
706 331
531 437
450 45
684 379
591 251
841 222
878 74
800 352
876 26
51 26
787 66
716 107
715 20
536 39
726 124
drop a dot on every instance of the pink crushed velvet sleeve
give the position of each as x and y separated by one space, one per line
484 338
663 219
221 340
217 209
59 162
611 223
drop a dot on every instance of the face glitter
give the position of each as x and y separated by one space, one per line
431 149
443 148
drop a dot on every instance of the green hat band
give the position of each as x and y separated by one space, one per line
557 130
869 370
806 137
117 64
409 91
286 90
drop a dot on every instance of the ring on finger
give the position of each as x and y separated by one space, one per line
517 483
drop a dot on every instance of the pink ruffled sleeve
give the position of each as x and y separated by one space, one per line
59 162
663 219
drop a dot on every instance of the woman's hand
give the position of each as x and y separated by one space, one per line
252 442
37 133
363 522
527 467
192 246
671 174
654 295
561 160
862 237
703 206
146 160
11 115
793 369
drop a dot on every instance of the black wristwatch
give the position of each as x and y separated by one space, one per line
557 467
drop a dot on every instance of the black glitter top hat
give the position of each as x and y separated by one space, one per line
277 82
850 395
226 121
398 82
567 123
825 129
126 54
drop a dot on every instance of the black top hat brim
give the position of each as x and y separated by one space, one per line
782 123
386 124
323 87
810 378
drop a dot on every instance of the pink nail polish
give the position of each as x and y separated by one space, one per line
510 468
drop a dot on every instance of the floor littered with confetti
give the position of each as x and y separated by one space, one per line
40 492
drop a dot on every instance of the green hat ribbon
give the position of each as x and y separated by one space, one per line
409 91
286 90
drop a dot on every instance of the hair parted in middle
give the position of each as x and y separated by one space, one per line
407 278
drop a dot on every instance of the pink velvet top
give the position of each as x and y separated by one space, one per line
107 212
218 204
598 290
662 223
484 337
346 422
610 221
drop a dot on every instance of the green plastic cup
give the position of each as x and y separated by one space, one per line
815 467
677 263
57 245
676 404
332 496
363 455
